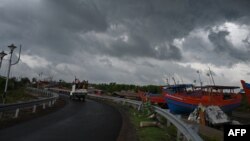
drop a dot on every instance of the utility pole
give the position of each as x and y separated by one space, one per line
11 47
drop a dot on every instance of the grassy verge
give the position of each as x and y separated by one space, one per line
17 95
156 133
150 133
206 138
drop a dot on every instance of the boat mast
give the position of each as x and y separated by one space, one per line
209 79
199 77
182 80
211 75
174 80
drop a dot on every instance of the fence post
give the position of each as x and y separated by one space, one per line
53 102
34 109
16 113
139 107
44 106
49 104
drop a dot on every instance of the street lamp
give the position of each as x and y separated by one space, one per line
2 54
11 47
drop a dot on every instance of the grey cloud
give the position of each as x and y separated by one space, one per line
77 15
59 31
52 25
106 61
135 46
56 24
139 47
165 20
223 47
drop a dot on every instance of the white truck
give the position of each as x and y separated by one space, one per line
78 94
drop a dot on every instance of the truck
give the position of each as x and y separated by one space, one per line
79 93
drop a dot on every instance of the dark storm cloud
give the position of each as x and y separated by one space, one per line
224 48
155 22
164 19
52 25
139 47
77 32
77 15
56 24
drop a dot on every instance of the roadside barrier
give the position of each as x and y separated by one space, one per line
49 101
183 129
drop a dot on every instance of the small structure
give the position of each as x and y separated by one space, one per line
211 115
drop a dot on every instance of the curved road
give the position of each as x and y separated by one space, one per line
88 121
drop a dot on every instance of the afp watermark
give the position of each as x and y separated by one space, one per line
241 132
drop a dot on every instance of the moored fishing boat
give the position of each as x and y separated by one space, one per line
246 87
184 98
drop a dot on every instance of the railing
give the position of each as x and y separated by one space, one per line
49 100
183 129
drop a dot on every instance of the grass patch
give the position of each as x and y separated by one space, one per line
206 138
150 133
17 95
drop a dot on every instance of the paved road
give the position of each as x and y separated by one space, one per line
89 121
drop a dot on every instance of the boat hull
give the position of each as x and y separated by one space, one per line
246 87
178 107
153 98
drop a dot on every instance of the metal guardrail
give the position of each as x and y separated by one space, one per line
49 100
182 128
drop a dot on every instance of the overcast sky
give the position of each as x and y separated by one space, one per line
128 41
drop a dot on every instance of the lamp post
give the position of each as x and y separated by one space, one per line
11 47
2 54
